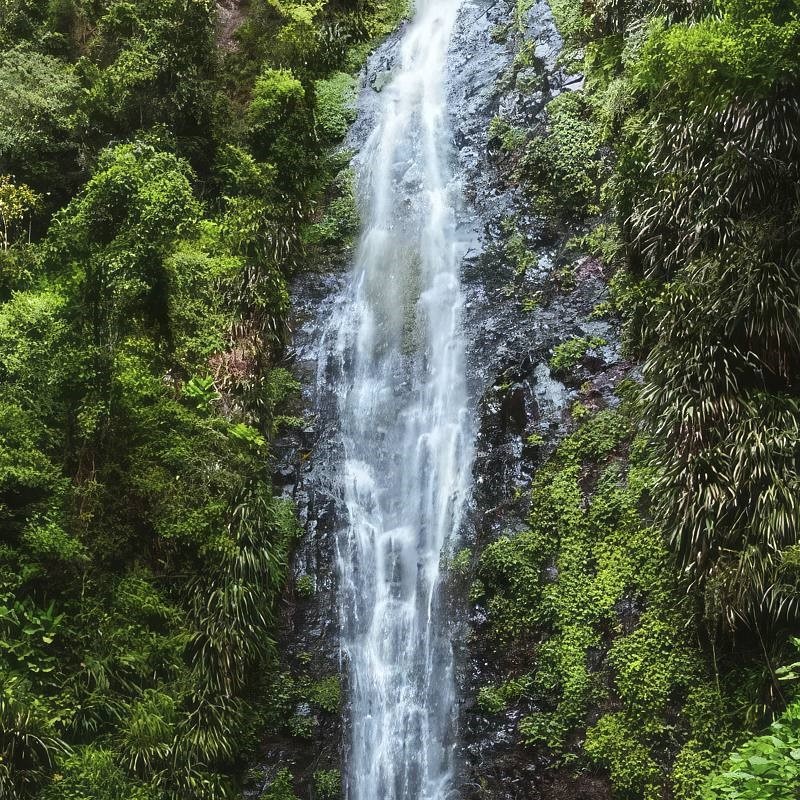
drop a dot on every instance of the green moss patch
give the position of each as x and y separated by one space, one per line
584 602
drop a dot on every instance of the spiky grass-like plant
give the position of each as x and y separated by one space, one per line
694 180
233 607
28 744
710 200
725 426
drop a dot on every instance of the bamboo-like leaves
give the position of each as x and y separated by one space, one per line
709 172
713 197
28 745
725 428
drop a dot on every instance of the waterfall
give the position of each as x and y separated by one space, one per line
397 348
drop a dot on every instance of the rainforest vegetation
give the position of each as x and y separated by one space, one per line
159 184
667 642
162 178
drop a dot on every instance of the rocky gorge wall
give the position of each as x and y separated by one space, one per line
544 368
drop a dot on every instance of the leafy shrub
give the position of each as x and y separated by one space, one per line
510 138
94 773
276 95
301 727
39 95
28 633
29 745
614 744
328 784
570 353
766 767
281 787
341 219
327 694
493 699
562 169
47 541
334 105
462 561
304 586
745 50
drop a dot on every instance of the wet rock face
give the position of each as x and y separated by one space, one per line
308 634
521 408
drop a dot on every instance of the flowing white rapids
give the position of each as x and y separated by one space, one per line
398 351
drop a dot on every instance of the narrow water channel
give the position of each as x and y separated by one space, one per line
398 342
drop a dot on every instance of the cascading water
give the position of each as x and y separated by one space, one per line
396 347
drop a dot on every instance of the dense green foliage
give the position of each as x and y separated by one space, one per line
766 767
156 193
158 188
661 613
715 221
595 621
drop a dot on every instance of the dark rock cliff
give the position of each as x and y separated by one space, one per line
514 319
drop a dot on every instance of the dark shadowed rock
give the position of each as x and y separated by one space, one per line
522 409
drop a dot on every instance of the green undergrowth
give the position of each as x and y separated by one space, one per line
158 192
765 767
560 167
592 624
563 170
646 613
299 703
339 221
327 785
569 354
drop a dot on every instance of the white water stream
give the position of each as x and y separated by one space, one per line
398 344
